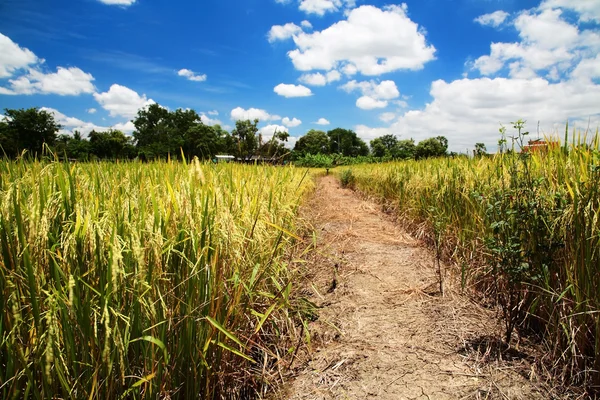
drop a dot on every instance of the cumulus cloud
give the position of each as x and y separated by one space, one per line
283 32
251 114
14 57
494 19
322 121
371 41
213 113
387 116
91 111
319 79
268 131
71 124
124 3
374 95
191 76
319 7
31 79
316 79
287 90
588 10
206 120
64 82
306 24
469 110
291 123
122 101
385 90
367 133
549 45
125 127
369 103
550 75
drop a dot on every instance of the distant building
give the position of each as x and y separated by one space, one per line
539 145
224 158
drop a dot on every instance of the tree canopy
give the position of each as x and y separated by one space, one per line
28 129
347 143
313 142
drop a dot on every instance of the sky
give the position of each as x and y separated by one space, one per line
415 69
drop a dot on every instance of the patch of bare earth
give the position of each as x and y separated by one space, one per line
383 329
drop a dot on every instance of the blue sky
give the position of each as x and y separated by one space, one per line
415 69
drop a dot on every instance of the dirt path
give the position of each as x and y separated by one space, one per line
384 331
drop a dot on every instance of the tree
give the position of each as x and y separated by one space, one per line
202 141
480 150
389 141
378 149
432 147
29 129
227 142
151 131
347 143
276 146
314 142
112 144
8 144
245 137
160 132
404 149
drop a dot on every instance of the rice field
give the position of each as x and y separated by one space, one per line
160 280
523 229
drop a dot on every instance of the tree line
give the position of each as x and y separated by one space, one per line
346 143
161 133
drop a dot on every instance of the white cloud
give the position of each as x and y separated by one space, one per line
91 111
467 111
122 101
71 124
64 82
268 131
283 32
385 90
367 134
387 117
333 76
316 79
124 3
371 41
14 57
213 113
286 90
319 79
322 121
206 120
369 103
190 75
494 19
306 24
127 127
319 7
291 123
588 10
251 114
549 46
549 75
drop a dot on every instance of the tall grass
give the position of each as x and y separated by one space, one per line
145 280
523 228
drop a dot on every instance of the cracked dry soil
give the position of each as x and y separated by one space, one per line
383 330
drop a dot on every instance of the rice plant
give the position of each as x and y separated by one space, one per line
131 280
524 229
